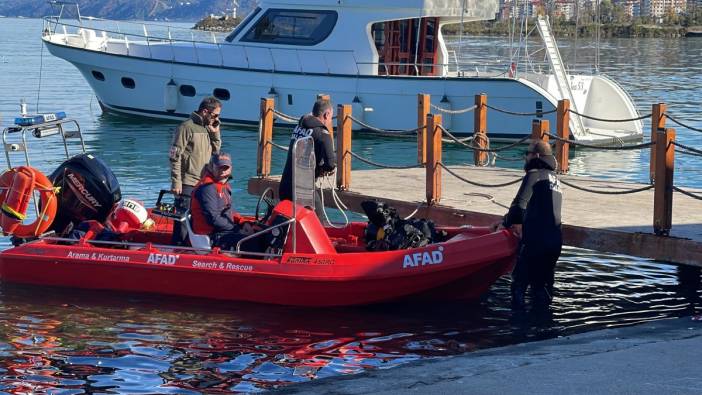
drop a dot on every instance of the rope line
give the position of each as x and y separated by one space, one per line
509 158
447 111
624 192
477 184
285 117
523 114
610 120
394 132
280 147
683 152
692 151
687 193
380 165
475 148
607 148
681 123
486 143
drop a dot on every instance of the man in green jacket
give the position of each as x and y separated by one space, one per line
194 142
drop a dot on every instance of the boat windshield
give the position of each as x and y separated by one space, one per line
242 25
292 27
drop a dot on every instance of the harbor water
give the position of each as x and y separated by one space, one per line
64 341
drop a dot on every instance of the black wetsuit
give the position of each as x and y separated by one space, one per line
323 152
537 207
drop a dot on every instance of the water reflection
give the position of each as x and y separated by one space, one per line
67 341
91 341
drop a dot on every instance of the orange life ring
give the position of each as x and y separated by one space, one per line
17 186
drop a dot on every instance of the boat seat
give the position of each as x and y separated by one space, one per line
196 240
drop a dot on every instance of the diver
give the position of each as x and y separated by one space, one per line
537 207
312 125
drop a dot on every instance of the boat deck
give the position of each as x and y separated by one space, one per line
612 223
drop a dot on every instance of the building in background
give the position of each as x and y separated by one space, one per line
569 9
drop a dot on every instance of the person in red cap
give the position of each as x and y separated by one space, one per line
211 204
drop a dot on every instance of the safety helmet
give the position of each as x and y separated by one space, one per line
127 215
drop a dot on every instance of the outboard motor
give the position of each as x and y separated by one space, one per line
88 190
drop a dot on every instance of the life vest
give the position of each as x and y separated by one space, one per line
17 187
197 216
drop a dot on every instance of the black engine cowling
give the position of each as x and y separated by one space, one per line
88 190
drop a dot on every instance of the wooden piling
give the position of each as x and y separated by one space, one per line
539 128
563 131
657 123
663 184
265 138
423 108
343 146
329 124
480 129
433 170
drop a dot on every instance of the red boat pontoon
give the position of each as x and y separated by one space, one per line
310 266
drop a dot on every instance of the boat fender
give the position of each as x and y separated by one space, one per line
17 187
170 96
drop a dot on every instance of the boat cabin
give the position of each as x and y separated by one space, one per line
402 37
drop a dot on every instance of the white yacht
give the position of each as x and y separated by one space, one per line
375 55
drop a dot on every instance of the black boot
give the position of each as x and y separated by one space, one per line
518 296
540 296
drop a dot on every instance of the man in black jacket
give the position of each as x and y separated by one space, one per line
537 207
312 125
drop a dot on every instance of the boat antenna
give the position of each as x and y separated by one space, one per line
577 27
418 30
597 37
41 69
526 38
460 36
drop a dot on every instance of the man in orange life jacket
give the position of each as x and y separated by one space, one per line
211 204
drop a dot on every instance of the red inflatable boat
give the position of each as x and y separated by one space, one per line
315 266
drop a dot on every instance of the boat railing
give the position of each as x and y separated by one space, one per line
261 233
213 51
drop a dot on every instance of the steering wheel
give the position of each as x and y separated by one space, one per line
269 205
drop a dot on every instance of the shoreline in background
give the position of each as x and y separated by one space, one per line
502 28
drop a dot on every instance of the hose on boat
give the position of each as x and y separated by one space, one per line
337 201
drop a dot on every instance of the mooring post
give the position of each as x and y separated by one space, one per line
563 129
265 138
663 184
657 123
343 146
539 128
329 124
433 170
423 108
480 129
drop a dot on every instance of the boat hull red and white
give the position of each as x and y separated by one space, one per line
463 267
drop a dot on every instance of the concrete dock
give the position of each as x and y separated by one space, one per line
660 357
611 223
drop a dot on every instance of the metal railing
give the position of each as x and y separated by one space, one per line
141 39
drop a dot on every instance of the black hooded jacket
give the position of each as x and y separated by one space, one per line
309 126
537 205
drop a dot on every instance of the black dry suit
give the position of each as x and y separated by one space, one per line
309 126
537 207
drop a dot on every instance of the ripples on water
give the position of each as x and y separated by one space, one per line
67 341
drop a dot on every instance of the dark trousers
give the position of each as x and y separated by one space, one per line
535 268
182 203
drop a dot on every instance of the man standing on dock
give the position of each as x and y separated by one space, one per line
312 125
537 207
194 142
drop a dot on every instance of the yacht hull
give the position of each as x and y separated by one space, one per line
383 102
